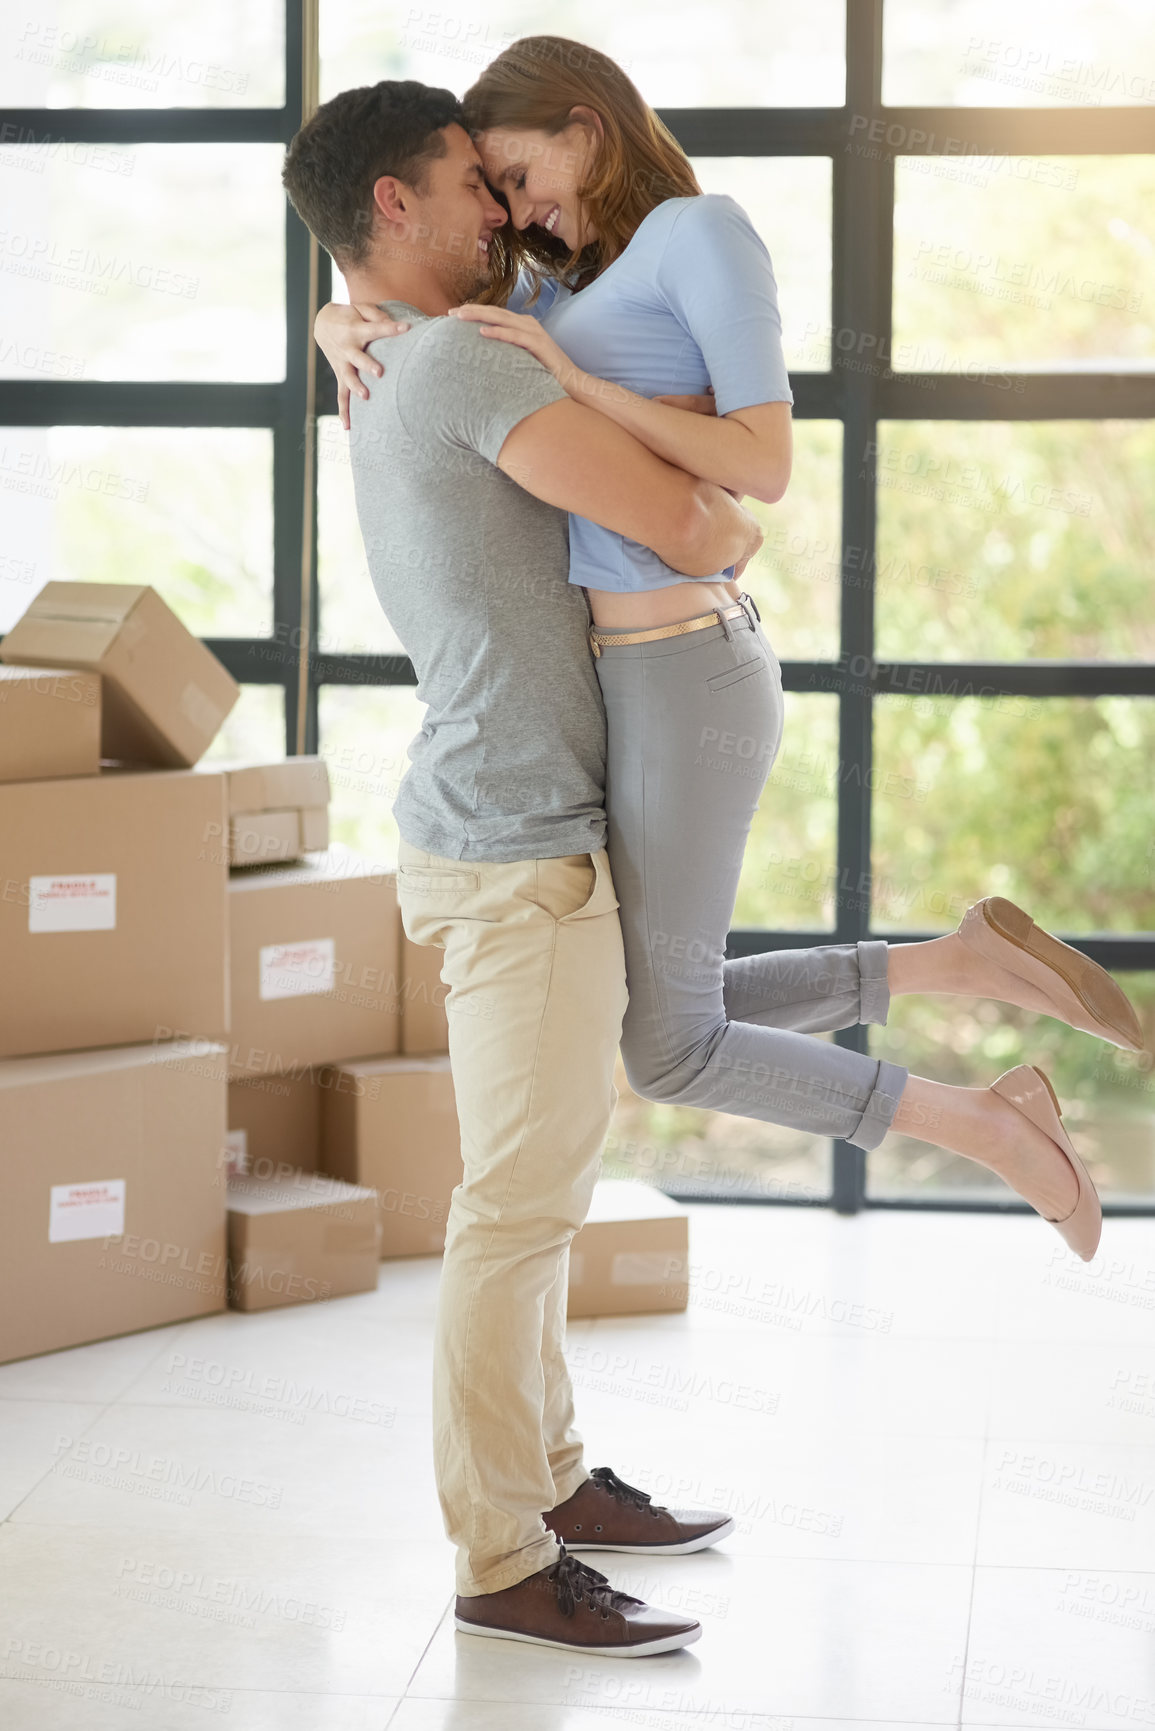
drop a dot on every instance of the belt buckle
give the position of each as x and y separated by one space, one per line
595 646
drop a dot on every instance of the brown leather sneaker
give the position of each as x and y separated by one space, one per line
606 1515
570 1605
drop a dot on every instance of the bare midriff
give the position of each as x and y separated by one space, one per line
613 611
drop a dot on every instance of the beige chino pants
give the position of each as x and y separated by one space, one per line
536 977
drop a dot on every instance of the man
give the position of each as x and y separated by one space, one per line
466 459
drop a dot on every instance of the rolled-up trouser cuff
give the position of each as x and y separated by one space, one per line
882 1105
874 986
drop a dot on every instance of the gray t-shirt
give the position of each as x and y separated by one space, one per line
472 571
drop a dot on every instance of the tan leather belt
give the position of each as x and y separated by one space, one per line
613 639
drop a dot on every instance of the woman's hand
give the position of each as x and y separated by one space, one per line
498 324
342 333
756 538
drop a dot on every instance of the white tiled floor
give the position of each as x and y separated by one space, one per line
936 1434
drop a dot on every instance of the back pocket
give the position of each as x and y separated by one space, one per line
733 675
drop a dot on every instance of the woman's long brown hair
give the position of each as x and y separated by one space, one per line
532 85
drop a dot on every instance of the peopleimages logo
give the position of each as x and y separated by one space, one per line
39 255
240 1382
113 1682
35 472
223 1598
121 62
177 1265
134 1469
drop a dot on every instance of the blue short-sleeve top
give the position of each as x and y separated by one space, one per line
690 302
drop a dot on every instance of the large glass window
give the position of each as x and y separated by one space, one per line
144 261
1108 1096
1019 53
790 202
957 580
254 728
1015 540
365 738
351 615
788 874
137 54
746 53
1037 799
187 509
1017 263
796 574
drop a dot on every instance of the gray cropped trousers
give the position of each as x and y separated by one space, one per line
695 723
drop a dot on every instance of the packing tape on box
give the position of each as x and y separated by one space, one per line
198 708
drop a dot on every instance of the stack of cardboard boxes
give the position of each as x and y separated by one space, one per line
224 1071
322 1076
173 1020
112 925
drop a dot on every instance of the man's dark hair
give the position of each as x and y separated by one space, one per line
349 143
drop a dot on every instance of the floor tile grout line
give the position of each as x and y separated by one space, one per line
52 1466
46 1400
210 1406
998 1299
971 1596
198 1532
450 1603
1108 1338
169 1332
698 1715
261 1689
794 1438
743 1557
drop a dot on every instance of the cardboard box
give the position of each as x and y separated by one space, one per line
313 963
165 695
391 1123
261 837
275 1125
114 1200
49 723
299 1239
424 1023
632 1254
277 811
113 912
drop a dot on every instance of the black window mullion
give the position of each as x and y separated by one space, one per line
53 126
863 201
1005 396
132 403
1057 131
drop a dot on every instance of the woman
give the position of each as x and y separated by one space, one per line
642 294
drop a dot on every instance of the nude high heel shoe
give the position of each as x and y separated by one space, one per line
1084 994
1029 1092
